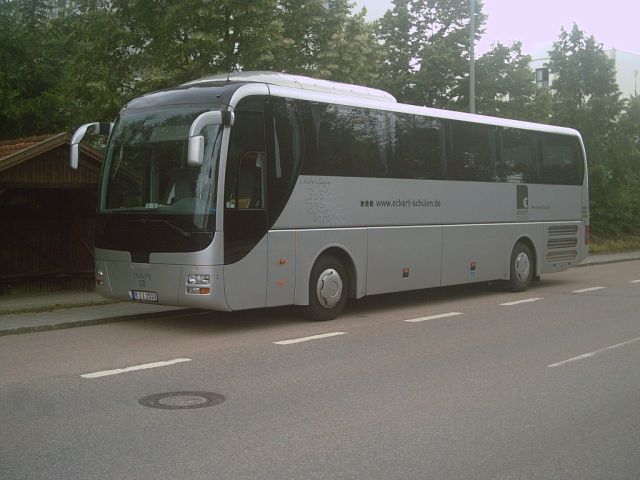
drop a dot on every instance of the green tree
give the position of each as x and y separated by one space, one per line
428 50
99 75
586 97
67 64
31 52
352 53
541 107
173 42
504 83
34 15
325 39
617 208
394 31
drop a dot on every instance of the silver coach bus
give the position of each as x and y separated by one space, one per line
259 189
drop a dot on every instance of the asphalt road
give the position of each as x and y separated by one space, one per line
542 389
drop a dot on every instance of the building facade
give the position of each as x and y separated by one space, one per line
627 67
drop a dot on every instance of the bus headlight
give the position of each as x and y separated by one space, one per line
198 284
199 279
99 276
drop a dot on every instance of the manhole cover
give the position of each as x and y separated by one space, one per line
181 400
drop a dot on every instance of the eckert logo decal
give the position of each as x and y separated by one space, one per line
324 203
400 203
317 194
522 200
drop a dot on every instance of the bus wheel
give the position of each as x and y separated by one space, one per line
522 268
328 286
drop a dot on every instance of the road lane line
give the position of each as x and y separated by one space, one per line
590 289
106 373
306 339
634 281
518 302
433 317
592 354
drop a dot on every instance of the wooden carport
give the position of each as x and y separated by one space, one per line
47 215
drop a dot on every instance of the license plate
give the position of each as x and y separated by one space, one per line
142 296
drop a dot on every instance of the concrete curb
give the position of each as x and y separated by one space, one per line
604 258
92 321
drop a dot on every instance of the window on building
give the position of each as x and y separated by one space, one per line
542 77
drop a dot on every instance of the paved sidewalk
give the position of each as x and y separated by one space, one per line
52 311
610 258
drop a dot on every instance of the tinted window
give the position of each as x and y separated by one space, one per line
351 141
418 147
519 163
561 160
246 161
288 142
472 152
286 149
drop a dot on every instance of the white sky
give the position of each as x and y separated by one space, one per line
615 23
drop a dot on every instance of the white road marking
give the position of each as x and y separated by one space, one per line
433 317
518 302
306 339
592 354
145 366
591 289
634 281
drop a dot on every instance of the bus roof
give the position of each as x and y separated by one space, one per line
301 87
301 82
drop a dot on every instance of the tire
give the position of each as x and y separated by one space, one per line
328 289
521 268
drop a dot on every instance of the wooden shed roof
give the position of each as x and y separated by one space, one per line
15 152
43 162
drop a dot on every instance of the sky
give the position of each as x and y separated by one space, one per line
614 23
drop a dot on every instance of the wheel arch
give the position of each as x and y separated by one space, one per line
528 241
345 257
343 254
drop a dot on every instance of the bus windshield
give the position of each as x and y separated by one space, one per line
146 170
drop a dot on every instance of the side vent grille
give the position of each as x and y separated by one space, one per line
562 241
555 243
562 230
557 256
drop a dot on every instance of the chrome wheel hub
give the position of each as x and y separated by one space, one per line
522 267
329 288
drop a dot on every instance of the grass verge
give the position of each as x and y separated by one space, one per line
51 308
620 243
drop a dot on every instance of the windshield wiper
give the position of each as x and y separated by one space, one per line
174 227
128 210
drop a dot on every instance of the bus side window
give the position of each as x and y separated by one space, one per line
245 172
562 162
472 152
418 143
250 191
518 155
351 142
337 155
285 148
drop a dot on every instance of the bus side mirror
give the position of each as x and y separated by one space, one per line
195 153
95 128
